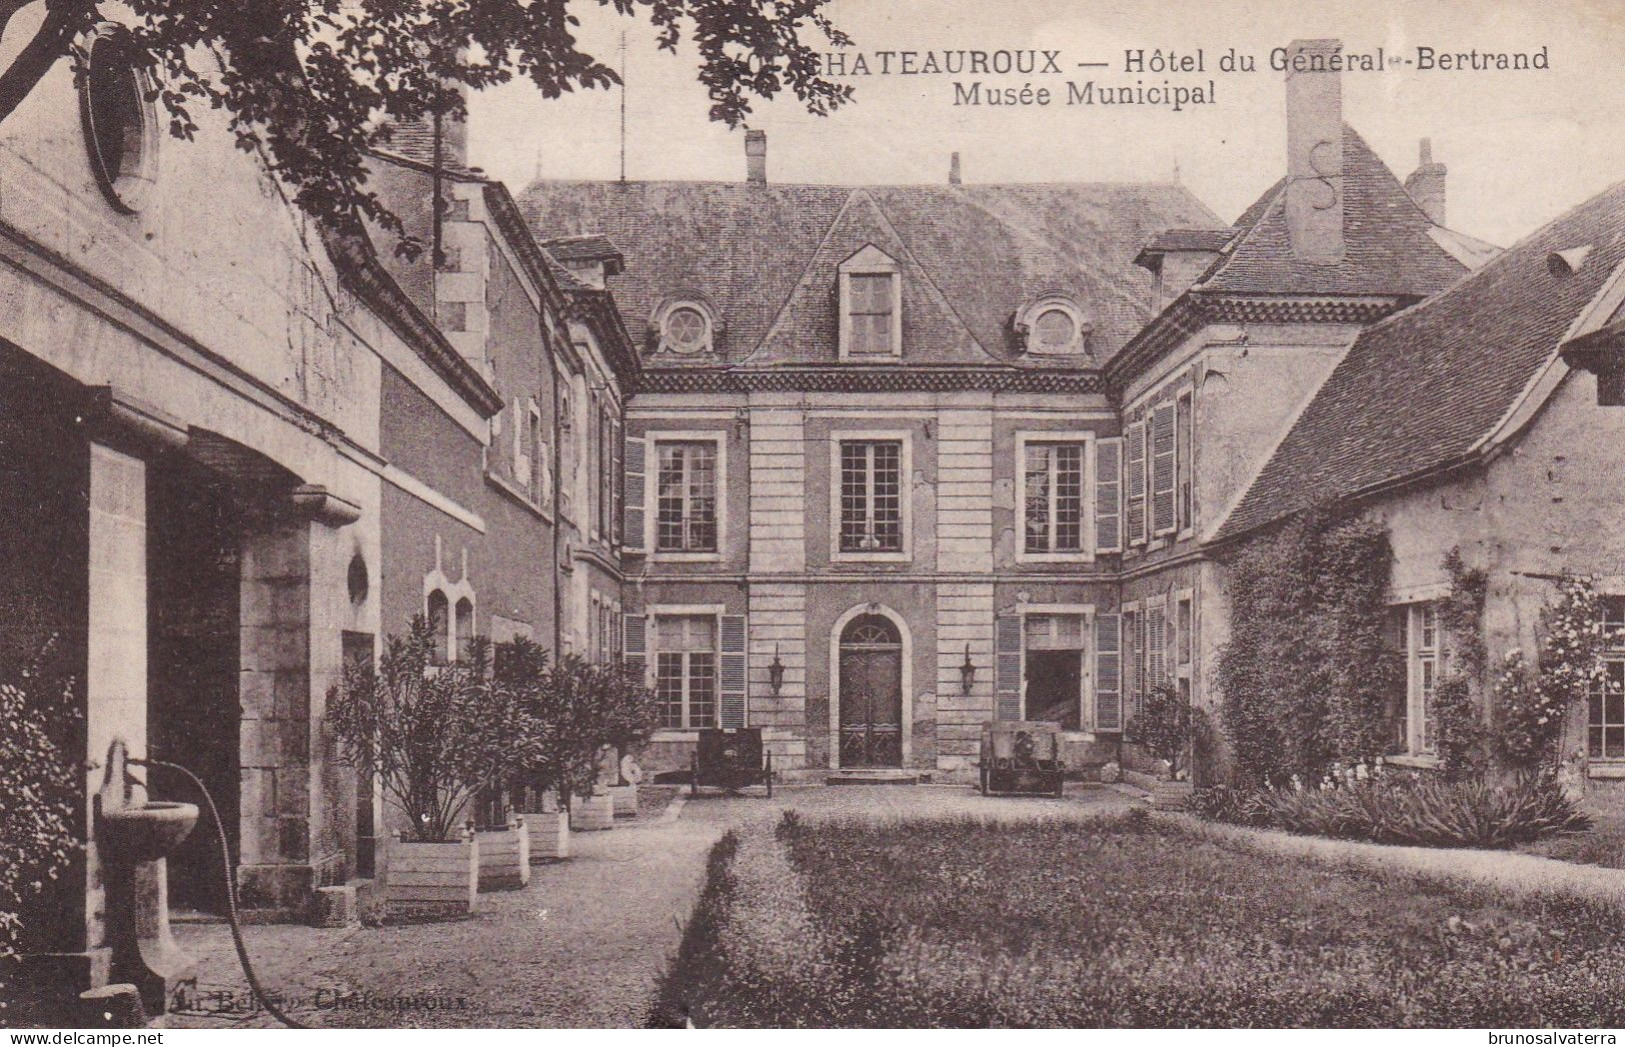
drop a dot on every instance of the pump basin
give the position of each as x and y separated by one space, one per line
144 832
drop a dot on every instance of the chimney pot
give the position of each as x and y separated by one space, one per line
756 157
1314 142
953 170
1426 184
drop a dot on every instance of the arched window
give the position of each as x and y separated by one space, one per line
439 625
119 125
465 627
871 630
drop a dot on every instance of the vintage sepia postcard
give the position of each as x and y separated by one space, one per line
627 514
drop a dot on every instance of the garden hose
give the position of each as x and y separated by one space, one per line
231 893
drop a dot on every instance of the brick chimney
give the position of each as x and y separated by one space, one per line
1314 145
756 157
1426 184
953 170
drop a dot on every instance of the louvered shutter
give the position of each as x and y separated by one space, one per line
732 686
635 643
1162 470
1108 673
635 473
1134 456
1109 495
1157 649
1131 662
1007 667
617 511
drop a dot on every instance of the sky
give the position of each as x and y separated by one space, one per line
1522 146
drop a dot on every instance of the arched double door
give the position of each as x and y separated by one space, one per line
871 693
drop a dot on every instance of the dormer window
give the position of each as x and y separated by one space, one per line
1053 325
684 326
871 303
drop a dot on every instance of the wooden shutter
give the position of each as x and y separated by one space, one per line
1109 495
635 643
1162 470
617 511
1131 662
1108 673
636 483
1007 667
1185 463
1134 456
731 679
1156 650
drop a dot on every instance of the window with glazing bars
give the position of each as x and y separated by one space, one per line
872 496
686 520
869 312
686 671
1606 719
1054 497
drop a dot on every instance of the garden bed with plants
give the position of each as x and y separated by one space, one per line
1114 922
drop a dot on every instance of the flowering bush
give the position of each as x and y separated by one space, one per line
433 736
1531 706
39 784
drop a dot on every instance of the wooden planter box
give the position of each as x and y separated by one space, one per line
592 813
549 836
440 878
625 800
505 856
1171 796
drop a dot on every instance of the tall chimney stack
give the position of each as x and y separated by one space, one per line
1426 184
953 170
1314 145
756 157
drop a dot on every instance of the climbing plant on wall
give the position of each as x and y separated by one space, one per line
1308 674
1530 706
1461 737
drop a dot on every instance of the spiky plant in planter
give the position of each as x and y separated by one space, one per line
433 736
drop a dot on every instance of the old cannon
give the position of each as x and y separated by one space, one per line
731 759
1022 756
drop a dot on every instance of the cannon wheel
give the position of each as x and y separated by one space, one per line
767 775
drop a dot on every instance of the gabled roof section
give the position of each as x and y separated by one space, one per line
1387 246
766 256
1426 389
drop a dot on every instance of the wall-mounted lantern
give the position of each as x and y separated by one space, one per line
967 672
775 672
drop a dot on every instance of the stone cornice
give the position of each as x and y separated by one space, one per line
876 379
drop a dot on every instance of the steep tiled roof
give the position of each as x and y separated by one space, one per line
765 256
1419 390
1387 249
1191 240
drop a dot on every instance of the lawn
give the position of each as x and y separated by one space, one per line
1603 845
1114 922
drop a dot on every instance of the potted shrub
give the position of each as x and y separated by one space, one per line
1163 727
629 716
504 840
434 737
522 666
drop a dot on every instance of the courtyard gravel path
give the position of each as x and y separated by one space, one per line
584 945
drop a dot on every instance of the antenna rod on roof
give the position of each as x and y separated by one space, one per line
623 105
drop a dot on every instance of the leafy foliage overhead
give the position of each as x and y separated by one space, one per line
309 82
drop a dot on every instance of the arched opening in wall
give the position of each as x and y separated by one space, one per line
871 693
439 625
465 627
119 124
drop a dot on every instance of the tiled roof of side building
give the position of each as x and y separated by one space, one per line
1419 391
765 257
1387 246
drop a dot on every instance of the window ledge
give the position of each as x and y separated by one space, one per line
676 734
676 557
1605 769
872 557
1413 761
1055 558
513 492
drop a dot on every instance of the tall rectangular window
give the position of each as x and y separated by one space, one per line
869 313
1054 495
686 516
1421 638
871 496
1605 721
686 671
